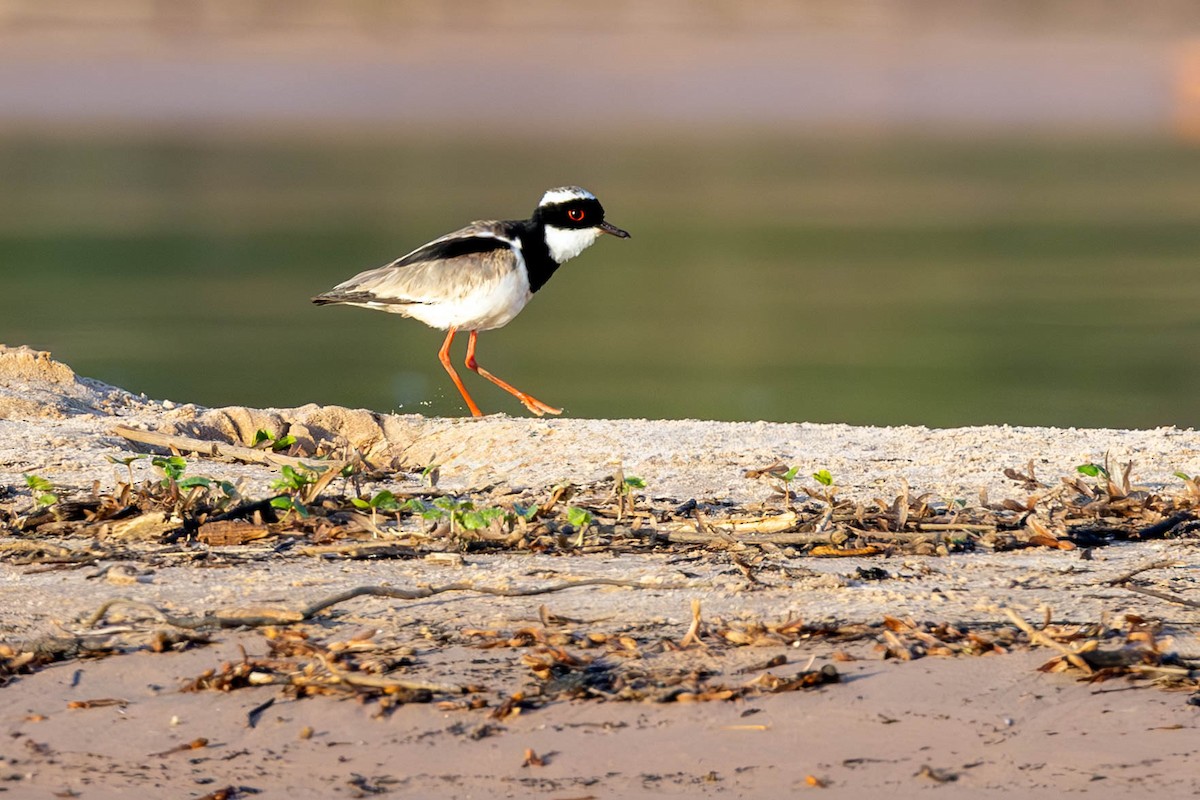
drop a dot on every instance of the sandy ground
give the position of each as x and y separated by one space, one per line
982 725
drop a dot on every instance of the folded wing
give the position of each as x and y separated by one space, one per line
452 266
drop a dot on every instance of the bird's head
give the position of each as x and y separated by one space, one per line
572 219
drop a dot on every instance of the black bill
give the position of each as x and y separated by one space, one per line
608 227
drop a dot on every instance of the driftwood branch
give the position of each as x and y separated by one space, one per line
283 616
218 450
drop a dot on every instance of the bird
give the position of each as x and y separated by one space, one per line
479 277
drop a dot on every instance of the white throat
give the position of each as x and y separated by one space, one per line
566 243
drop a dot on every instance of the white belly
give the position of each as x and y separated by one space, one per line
483 308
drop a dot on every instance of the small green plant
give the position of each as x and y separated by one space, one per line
625 487
827 491
294 485
42 490
462 514
1191 483
127 462
173 468
785 478
383 501
294 480
426 511
527 513
263 439
288 503
473 519
431 474
781 477
1104 478
581 519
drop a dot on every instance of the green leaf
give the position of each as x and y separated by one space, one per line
1092 470
634 482
790 475
526 512
48 499
579 517
188 483
289 504
425 510
171 466
358 502
447 503
125 462
823 477
283 443
472 520
37 483
293 479
1183 476
261 436
385 501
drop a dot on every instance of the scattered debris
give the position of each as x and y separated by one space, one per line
322 511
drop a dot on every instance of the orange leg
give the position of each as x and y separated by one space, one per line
444 357
532 403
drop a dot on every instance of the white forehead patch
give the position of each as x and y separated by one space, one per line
565 194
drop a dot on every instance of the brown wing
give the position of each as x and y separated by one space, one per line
440 271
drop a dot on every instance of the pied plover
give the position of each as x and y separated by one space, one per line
480 277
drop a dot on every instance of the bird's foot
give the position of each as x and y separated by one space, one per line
537 406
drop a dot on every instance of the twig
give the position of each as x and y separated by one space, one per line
308 612
955 526
217 450
693 631
1160 564
373 682
1037 637
1170 598
681 536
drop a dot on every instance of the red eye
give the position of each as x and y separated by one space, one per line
576 214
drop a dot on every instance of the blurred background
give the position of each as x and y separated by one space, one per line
889 211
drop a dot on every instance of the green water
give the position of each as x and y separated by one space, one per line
863 281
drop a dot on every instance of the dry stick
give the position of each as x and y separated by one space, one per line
693 631
1038 637
372 682
310 611
955 526
1170 598
203 447
696 537
798 537
1160 564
